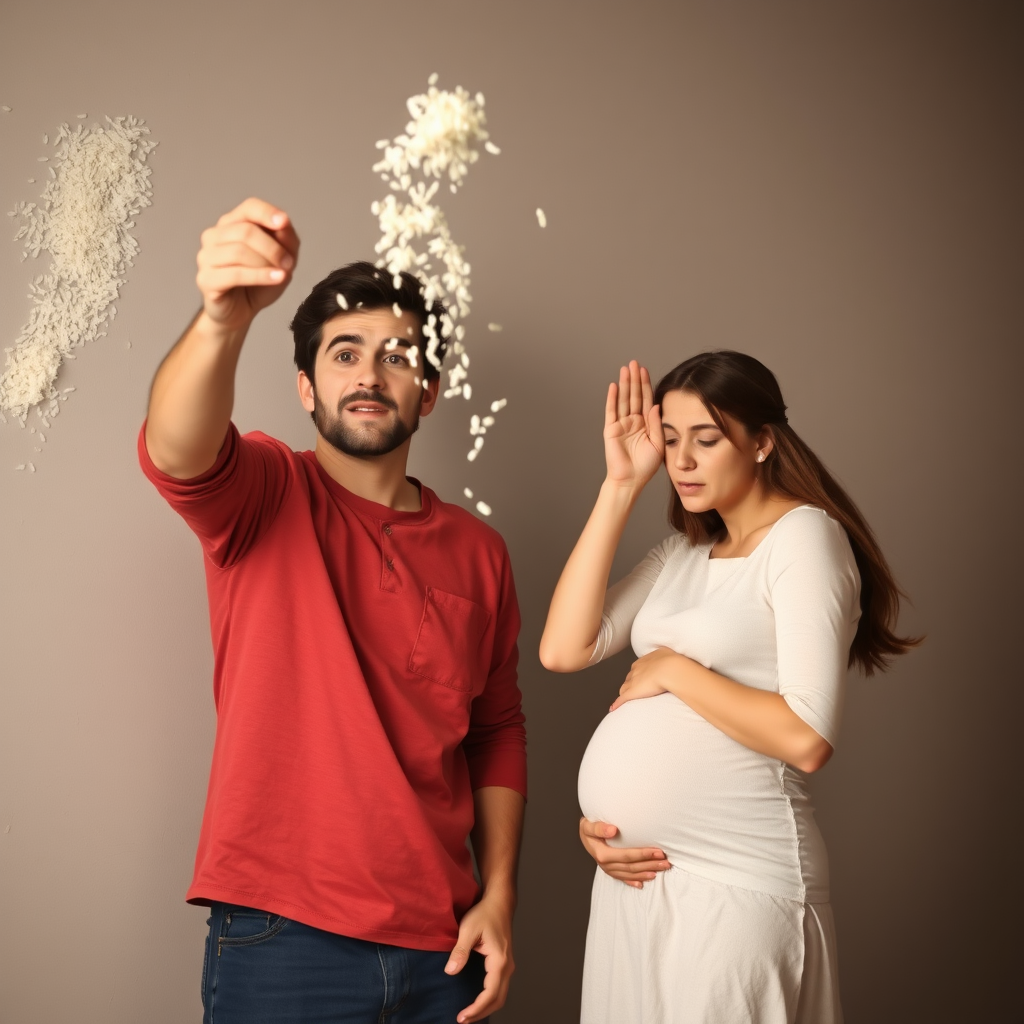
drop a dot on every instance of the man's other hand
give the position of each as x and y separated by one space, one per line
487 928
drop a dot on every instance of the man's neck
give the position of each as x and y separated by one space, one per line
378 478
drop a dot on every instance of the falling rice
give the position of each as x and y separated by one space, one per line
342 301
468 493
542 219
483 508
440 143
494 327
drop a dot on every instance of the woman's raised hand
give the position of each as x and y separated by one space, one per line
634 443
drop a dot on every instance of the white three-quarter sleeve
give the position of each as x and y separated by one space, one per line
623 600
815 595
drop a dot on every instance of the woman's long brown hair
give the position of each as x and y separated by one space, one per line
739 385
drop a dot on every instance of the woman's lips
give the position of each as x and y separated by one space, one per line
685 488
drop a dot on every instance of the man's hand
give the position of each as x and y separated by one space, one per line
487 928
245 262
633 866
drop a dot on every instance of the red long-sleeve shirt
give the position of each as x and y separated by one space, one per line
365 685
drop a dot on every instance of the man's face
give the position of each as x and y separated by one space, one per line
369 394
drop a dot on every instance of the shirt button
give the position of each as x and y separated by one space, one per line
387 530
390 565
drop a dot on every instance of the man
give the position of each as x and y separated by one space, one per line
368 717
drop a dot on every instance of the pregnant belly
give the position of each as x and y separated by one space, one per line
667 778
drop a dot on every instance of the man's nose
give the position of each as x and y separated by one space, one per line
370 377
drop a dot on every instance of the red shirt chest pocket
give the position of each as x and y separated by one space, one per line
449 644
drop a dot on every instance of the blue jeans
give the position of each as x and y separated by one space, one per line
265 969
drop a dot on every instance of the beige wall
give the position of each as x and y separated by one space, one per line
835 188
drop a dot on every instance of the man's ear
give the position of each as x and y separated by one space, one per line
429 399
306 392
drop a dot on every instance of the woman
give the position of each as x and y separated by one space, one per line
744 623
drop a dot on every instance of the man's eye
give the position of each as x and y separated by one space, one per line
396 360
344 356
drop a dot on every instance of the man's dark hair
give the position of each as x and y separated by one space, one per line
365 286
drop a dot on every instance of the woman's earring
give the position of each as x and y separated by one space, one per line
760 456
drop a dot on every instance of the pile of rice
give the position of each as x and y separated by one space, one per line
98 184
440 142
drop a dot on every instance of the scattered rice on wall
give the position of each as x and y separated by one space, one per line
98 184
440 142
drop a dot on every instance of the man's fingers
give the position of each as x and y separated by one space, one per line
236 254
216 281
247 235
258 211
458 959
287 237
492 996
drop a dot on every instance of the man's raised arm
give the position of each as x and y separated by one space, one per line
246 261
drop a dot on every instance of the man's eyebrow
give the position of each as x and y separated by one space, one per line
354 339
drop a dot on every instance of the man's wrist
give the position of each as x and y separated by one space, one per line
501 893
221 336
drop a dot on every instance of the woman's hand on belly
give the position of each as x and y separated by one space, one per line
650 675
633 866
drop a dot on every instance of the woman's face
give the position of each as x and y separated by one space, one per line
707 469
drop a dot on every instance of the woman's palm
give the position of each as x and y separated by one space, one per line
634 444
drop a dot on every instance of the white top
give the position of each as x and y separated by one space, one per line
782 619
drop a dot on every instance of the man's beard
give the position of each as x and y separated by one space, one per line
365 441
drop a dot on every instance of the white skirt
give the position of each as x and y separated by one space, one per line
686 950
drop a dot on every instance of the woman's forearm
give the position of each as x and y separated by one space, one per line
758 719
574 617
